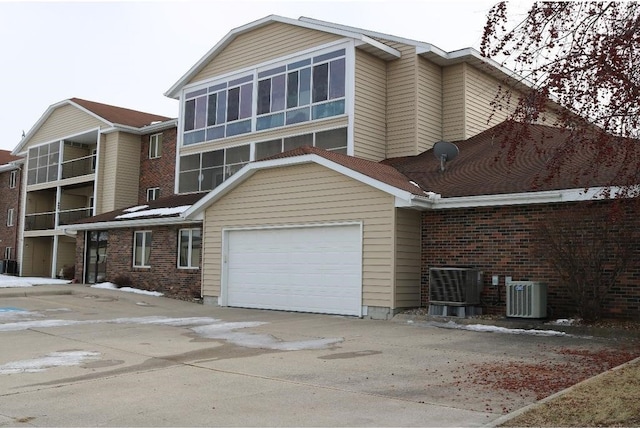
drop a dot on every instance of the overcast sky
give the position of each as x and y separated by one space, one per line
129 53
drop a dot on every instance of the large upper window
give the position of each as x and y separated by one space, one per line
205 171
300 90
43 163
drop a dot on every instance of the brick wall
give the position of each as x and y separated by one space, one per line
158 172
500 241
10 199
164 275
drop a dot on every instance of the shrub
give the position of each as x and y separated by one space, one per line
121 280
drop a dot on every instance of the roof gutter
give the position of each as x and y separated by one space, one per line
121 224
526 198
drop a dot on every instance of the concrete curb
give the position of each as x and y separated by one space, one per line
509 416
33 291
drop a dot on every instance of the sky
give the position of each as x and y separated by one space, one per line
128 53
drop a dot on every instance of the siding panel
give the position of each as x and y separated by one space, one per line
263 44
370 101
286 199
64 121
429 104
453 103
402 103
407 258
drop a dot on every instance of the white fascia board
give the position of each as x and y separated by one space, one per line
174 91
157 127
402 196
377 48
121 224
526 198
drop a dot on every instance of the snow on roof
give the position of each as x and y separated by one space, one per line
159 212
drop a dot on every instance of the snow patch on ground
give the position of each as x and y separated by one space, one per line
563 321
210 328
9 281
497 329
111 286
53 359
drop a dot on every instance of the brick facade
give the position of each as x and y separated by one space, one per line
158 172
163 276
500 241
10 198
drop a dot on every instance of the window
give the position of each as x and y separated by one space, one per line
301 90
153 193
206 171
7 253
13 178
155 146
42 165
10 217
189 246
141 248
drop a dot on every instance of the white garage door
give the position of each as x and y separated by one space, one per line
306 269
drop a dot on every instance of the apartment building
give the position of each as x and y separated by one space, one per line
81 158
300 175
10 182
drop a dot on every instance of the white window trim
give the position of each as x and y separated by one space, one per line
13 179
189 249
349 88
144 246
10 217
155 142
155 190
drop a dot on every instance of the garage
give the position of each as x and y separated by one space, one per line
304 268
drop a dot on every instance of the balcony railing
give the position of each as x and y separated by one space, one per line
46 221
39 221
70 216
78 167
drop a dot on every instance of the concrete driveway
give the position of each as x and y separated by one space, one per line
93 357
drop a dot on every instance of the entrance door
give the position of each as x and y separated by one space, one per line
96 269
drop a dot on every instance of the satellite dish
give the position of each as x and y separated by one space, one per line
445 151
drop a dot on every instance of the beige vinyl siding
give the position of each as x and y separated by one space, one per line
254 137
36 256
73 152
407 258
121 170
481 90
429 104
66 253
402 103
453 103
64 121
305 194
263 44
370 139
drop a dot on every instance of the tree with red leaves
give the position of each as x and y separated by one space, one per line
580 60
580 65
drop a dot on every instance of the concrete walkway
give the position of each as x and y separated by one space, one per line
78 356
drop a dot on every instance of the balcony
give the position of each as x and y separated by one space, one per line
40 221
71 216
78 167
46 221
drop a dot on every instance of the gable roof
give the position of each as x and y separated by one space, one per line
366 43
6 157
112 116
162 211
483 166
119 115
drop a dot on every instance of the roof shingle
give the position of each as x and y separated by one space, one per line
120 115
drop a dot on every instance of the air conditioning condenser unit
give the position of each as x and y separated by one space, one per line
526 299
